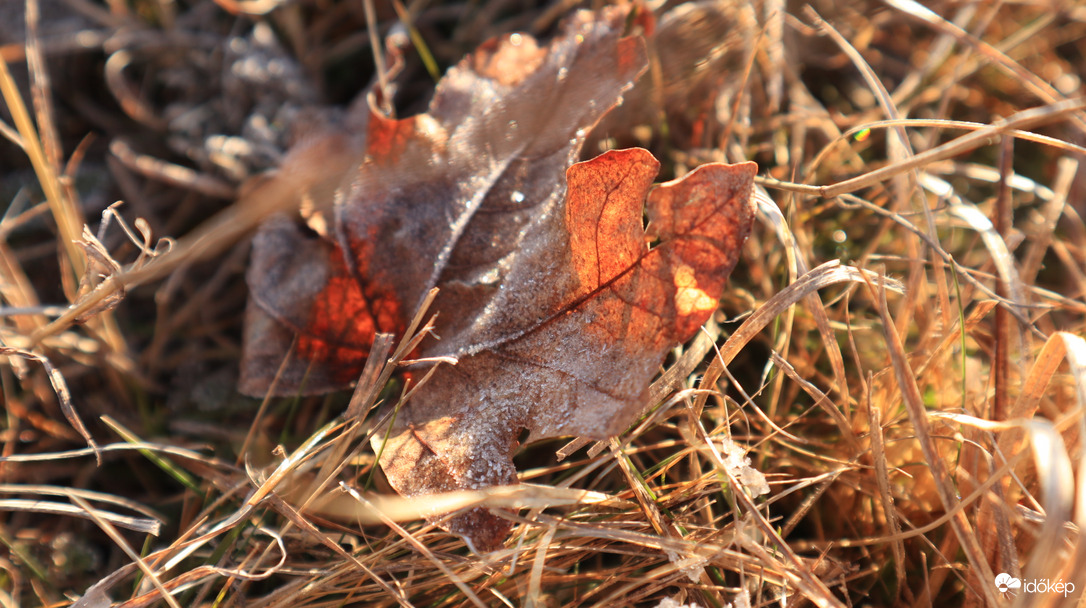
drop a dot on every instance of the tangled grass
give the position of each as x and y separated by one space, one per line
899 354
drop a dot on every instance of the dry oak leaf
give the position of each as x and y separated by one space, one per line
550 298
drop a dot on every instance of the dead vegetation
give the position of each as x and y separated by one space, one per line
899 351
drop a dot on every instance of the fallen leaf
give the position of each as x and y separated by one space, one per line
603 310
550 297
442 198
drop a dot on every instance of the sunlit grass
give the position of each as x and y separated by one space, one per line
854 355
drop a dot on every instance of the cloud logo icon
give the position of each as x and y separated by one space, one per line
1005 582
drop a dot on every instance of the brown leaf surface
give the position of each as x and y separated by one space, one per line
609 310
443 198
558 311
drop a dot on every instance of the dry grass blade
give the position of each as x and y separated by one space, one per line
882 476
138 524
535 581
296 518
797 265
1066 170
130 101
1024 120
170 173
164 464
116 447
908 447
962 272
830 273
945 124
1053 462
108 528
375 375
1043 90
900 150
420 547
1001 256
382 508
60 387
151 524
321 159
813 589
87 494
906 380
65 213
41 90
1057 480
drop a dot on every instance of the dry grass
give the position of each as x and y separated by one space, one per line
900 350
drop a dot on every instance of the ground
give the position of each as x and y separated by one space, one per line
898 352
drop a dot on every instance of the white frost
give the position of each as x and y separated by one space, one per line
670 602
735 458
